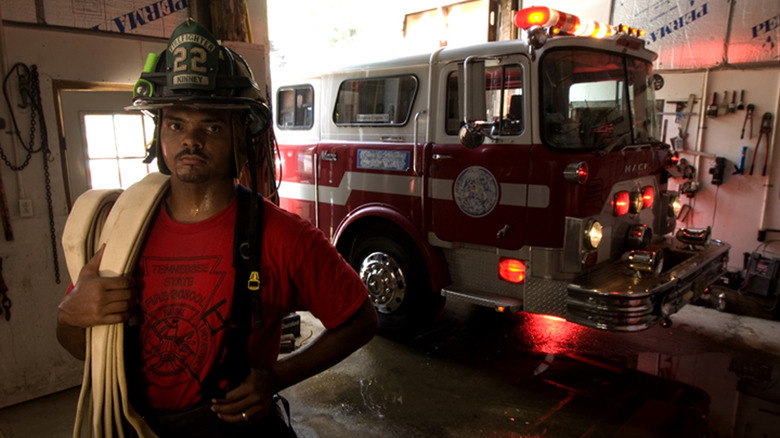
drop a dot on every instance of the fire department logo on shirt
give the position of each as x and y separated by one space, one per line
182 314
476 191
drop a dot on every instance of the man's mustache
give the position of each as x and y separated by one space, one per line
191 151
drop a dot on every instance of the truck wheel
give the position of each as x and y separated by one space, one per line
397 281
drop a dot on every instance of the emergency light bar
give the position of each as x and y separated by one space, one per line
561 22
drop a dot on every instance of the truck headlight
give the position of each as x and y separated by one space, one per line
593 234
675 205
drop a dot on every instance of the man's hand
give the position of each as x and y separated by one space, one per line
93 301
250 401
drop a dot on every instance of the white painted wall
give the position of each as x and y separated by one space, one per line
31 361
743 204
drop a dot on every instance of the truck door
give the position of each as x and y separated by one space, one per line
366 154
481 195
297 132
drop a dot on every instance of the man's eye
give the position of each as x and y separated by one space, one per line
174 126
214 129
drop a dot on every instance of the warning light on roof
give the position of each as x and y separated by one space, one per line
561 22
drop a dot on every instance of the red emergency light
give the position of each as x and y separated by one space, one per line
621 203
511 270
561 22
648 196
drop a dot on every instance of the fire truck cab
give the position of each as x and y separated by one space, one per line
523 175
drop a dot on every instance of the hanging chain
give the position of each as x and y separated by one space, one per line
36 97
25 87
29 90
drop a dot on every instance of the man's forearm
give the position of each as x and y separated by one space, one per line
328 349
72 339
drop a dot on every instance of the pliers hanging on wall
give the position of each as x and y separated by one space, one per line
748 117
766 128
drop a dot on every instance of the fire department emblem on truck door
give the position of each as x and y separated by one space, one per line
476 191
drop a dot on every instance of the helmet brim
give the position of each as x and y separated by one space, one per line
196 102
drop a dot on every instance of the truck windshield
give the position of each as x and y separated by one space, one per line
596 100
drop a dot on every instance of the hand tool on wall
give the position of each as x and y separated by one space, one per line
678 143
733 104
5 216
741 105
748 116
712 110
739 168
766 128
5 302
723 106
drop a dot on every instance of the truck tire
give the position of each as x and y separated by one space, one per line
397 280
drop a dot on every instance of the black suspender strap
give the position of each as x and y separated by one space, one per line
247 244
245 314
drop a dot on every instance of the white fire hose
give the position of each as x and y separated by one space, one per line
119 219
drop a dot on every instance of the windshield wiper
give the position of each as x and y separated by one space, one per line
612 145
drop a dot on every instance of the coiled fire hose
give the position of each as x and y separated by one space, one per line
119 219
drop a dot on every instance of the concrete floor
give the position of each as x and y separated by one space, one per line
481 374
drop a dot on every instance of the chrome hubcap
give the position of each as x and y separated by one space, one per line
385 281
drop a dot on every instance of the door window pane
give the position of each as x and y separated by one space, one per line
116 147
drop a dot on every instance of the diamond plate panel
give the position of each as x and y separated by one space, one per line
478 270
545 296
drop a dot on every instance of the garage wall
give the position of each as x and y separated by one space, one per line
31 361
744 204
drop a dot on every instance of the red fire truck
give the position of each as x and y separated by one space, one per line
523 175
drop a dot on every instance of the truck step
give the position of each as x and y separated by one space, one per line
498 302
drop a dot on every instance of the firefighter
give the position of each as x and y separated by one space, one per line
203 326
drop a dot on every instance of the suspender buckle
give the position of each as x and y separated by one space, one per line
254 281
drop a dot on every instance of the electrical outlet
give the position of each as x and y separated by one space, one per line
25 208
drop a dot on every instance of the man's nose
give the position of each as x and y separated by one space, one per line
193 137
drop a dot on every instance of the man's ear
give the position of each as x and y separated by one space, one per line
257 120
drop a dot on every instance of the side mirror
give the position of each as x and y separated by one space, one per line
658 81
470 136
472 99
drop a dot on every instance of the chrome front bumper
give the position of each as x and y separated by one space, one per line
613 298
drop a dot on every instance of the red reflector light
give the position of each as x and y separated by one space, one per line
576 173
648 196
511 270
582 173
621 203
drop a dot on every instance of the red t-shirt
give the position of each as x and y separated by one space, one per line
186 278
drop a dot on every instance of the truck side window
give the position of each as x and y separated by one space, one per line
504 99
375 101
295 108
